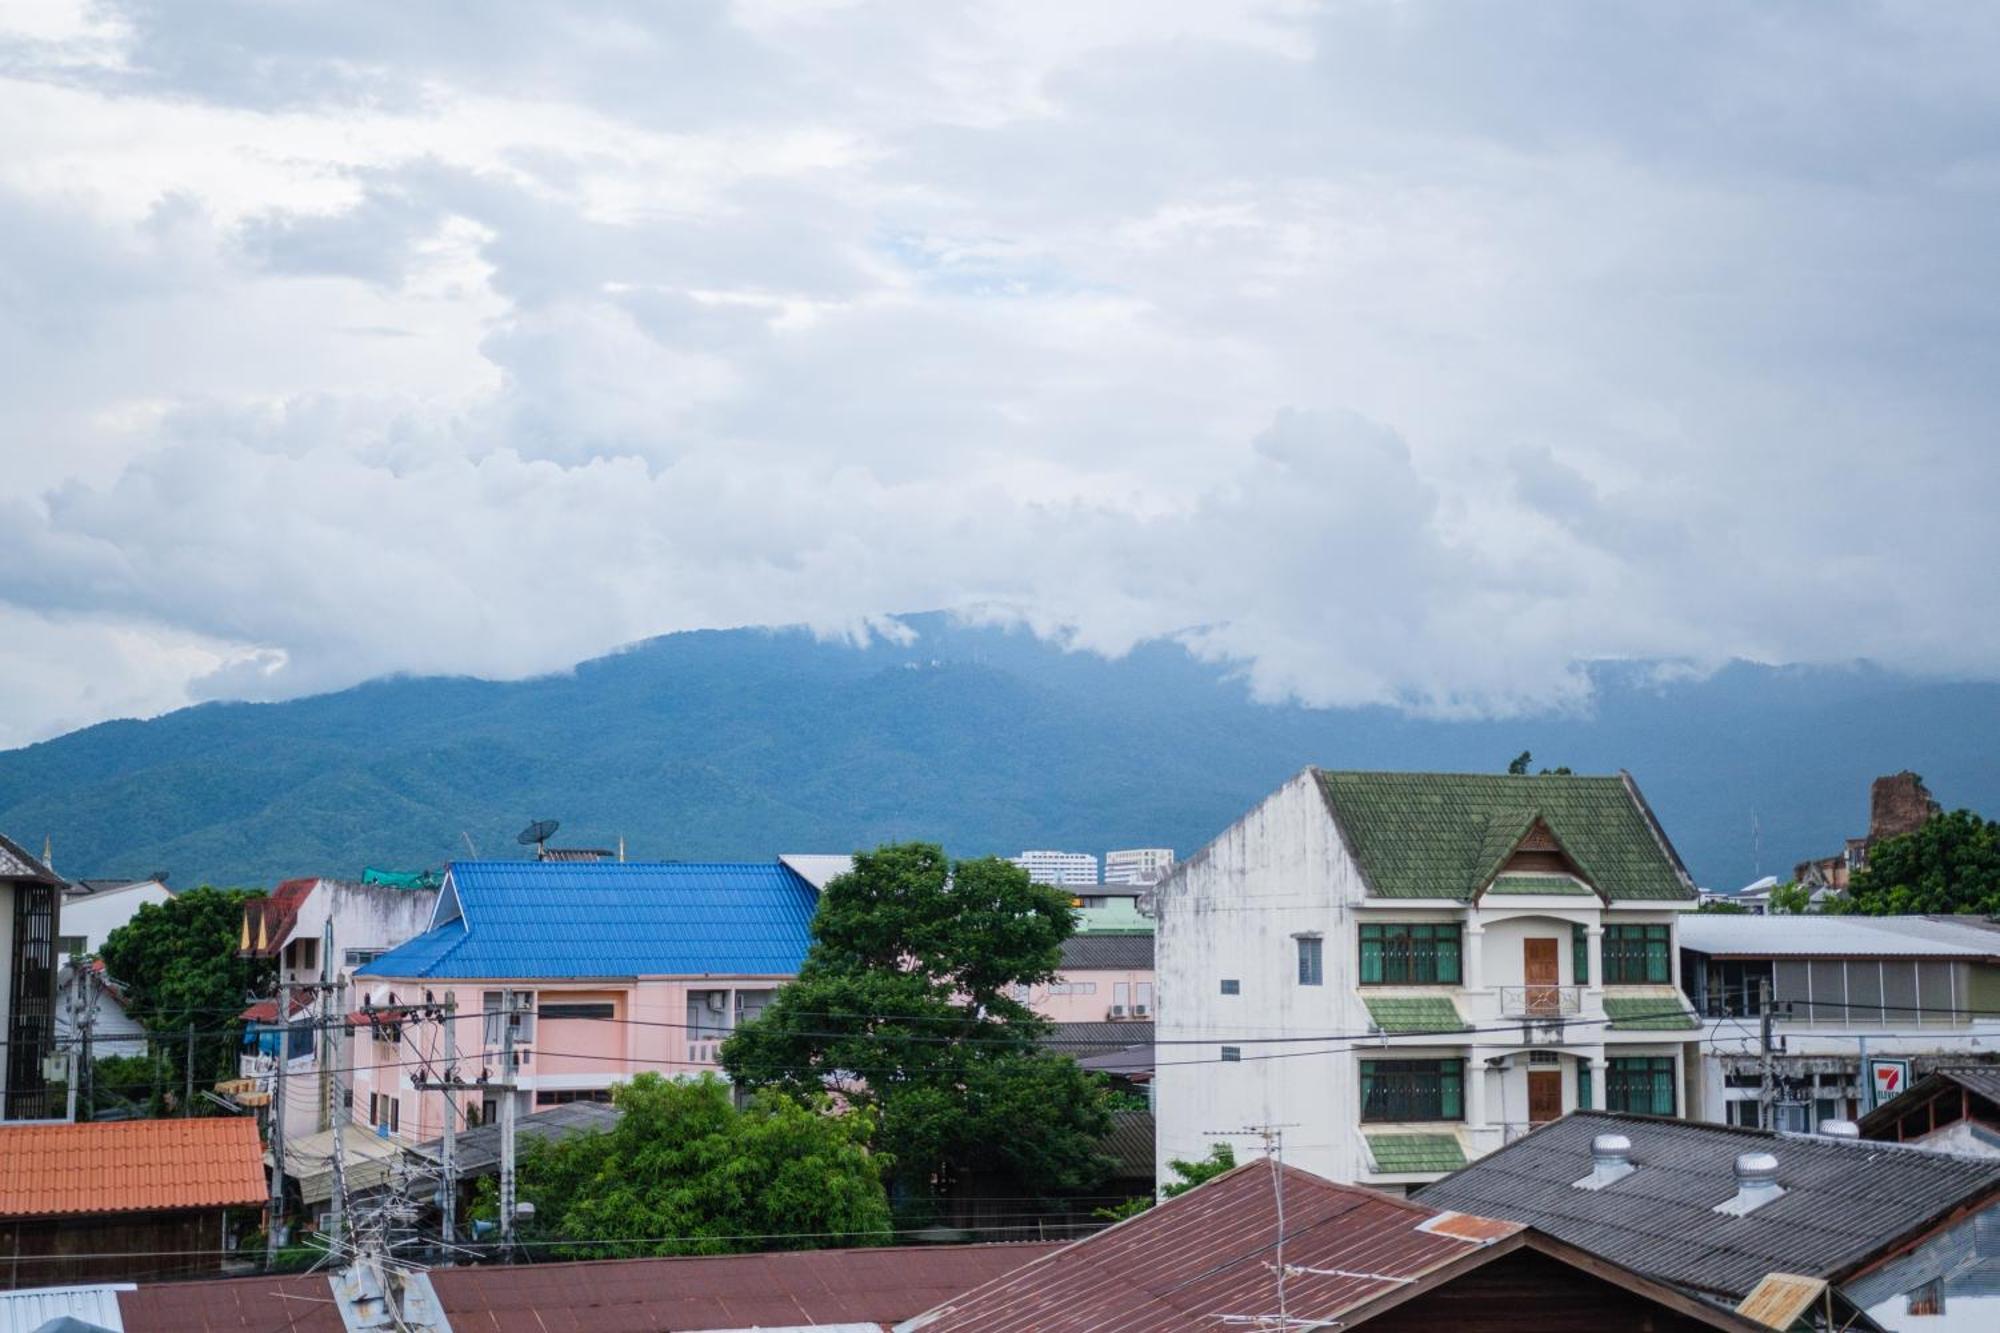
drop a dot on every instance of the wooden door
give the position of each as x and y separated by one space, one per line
1540 970
1545 1095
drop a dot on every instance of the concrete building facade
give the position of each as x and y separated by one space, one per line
1408 970
1065 869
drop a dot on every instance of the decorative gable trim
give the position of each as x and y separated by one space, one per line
1538 840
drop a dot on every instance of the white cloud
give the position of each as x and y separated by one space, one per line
1397 353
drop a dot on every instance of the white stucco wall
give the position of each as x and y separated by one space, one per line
96 915
1231 912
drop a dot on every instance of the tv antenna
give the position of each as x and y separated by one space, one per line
537 835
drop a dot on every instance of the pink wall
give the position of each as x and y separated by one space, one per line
1087 995
648 1030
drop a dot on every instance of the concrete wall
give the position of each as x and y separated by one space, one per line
1231 912
96 915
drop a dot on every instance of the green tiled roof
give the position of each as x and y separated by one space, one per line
1539 884
1663 1012
1442 835
1414 1013
1415 1152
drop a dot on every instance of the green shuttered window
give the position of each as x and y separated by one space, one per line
1642 1084
1395 954
1579 950
1402 1090
1637 956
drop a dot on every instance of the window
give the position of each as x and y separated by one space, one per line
522 1019
71 944
1232 1054
1638 955
594 1010
362 957
1397 954
1583 1085
1121 995
1734 987
1399 1090
1579 953
1744 1113
1231 986
1145 997
564 1096
1312 971
1642 1084
385 1110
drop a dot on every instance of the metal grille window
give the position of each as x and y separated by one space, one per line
1638 955
1640 1084
1735 987
1403 1090
1232 1054
1312 971
1399 954
1579 950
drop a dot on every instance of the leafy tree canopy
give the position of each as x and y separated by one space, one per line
1791 898
1518 766
906 1003
178 964
1726 908
1949 864
686 1172
1221 1157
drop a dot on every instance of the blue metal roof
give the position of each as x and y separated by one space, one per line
613 919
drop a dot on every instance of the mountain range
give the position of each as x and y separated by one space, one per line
746 743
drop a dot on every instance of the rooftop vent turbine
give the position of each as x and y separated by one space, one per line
1756 1184
1610 1161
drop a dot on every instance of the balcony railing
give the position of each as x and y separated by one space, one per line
1549 1003
703 1050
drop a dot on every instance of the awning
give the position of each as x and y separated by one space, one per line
366 1161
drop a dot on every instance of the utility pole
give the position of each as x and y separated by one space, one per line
449 1205
87 1074
187 1102
330 1039
277 1209
1767 1085
507 1011
75 1039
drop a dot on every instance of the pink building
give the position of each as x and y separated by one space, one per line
1102 978
602 969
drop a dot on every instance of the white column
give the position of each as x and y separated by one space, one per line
1595 935
1472 963
1475 1090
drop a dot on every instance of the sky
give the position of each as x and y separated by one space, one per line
1396 352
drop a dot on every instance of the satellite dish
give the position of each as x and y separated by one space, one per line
538 832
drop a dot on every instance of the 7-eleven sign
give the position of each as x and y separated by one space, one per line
1888 1078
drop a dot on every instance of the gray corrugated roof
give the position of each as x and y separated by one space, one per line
1081 1039
478 1150
1980 1080
1844 1201
1124 953
1834 936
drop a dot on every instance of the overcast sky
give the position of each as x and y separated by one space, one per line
1401 352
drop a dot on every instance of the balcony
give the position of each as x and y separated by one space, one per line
1547 1004
704 1050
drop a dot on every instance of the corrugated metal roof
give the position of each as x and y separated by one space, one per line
1205 1254
614 919
1121 953
129 1166
367 1160
818 869
781 1289
477 1151
1081 1039
27 1310
1817 936
1844 1200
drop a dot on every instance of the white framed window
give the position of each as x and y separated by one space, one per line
1312 968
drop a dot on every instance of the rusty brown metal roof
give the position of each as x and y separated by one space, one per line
1210 1253
884 1286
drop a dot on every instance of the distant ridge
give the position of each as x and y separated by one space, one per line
745 743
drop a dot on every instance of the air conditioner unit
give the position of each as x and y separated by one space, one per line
1142 1009
717 999
1118 1011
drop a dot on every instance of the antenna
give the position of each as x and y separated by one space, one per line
1274 1152
537 835
469 843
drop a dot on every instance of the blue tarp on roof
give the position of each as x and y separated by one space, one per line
613 919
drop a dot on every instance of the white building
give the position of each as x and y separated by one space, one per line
1138 865
1407 970
291 925
1920 992
1069 869
93 908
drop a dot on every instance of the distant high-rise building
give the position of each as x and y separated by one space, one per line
1138 865
1065 868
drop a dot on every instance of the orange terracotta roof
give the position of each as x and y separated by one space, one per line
129 1166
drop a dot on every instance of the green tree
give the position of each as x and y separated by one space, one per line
1791 898
686 1172
906 1004
1949 864
1726 908
178 965
1518 766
